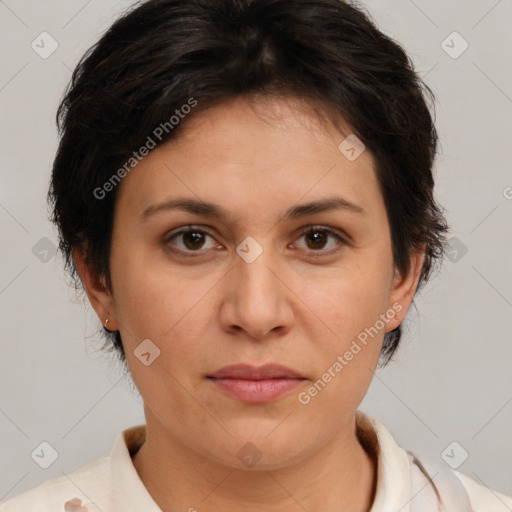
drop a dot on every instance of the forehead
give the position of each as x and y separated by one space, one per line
265 116
253 155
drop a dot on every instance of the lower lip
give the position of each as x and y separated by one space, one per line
256 391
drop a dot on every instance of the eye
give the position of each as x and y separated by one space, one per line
192 238
317 239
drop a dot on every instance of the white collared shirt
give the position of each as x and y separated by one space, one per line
112 484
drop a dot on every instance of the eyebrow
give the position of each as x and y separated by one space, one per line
207 209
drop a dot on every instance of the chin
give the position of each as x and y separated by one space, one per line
263 449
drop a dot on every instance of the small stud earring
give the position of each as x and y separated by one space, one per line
105 326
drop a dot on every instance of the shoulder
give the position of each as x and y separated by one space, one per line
51 496
482 498
109 484
458 491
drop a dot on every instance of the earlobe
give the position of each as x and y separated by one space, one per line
404 288
96 289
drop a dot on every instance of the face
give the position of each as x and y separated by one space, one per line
254 277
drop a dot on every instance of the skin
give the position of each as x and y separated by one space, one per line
255 159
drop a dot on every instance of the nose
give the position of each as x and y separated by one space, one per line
256 299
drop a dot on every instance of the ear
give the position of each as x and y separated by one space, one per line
404 287
96 289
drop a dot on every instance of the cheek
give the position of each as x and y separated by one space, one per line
352 299
347 355
153 297
174 310
352 311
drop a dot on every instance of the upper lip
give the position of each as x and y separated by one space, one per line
248 372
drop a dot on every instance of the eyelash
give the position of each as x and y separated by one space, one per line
311 229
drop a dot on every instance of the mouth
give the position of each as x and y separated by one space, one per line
253 384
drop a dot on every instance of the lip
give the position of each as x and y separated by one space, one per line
248 372
256 384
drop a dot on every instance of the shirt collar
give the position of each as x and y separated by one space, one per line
128 491
393 492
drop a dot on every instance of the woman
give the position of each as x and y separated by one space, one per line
245 191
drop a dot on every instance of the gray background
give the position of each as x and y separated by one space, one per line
451 380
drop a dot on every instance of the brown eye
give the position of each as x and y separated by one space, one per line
191 239
316 239
320 239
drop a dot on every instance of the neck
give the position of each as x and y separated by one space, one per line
340 476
